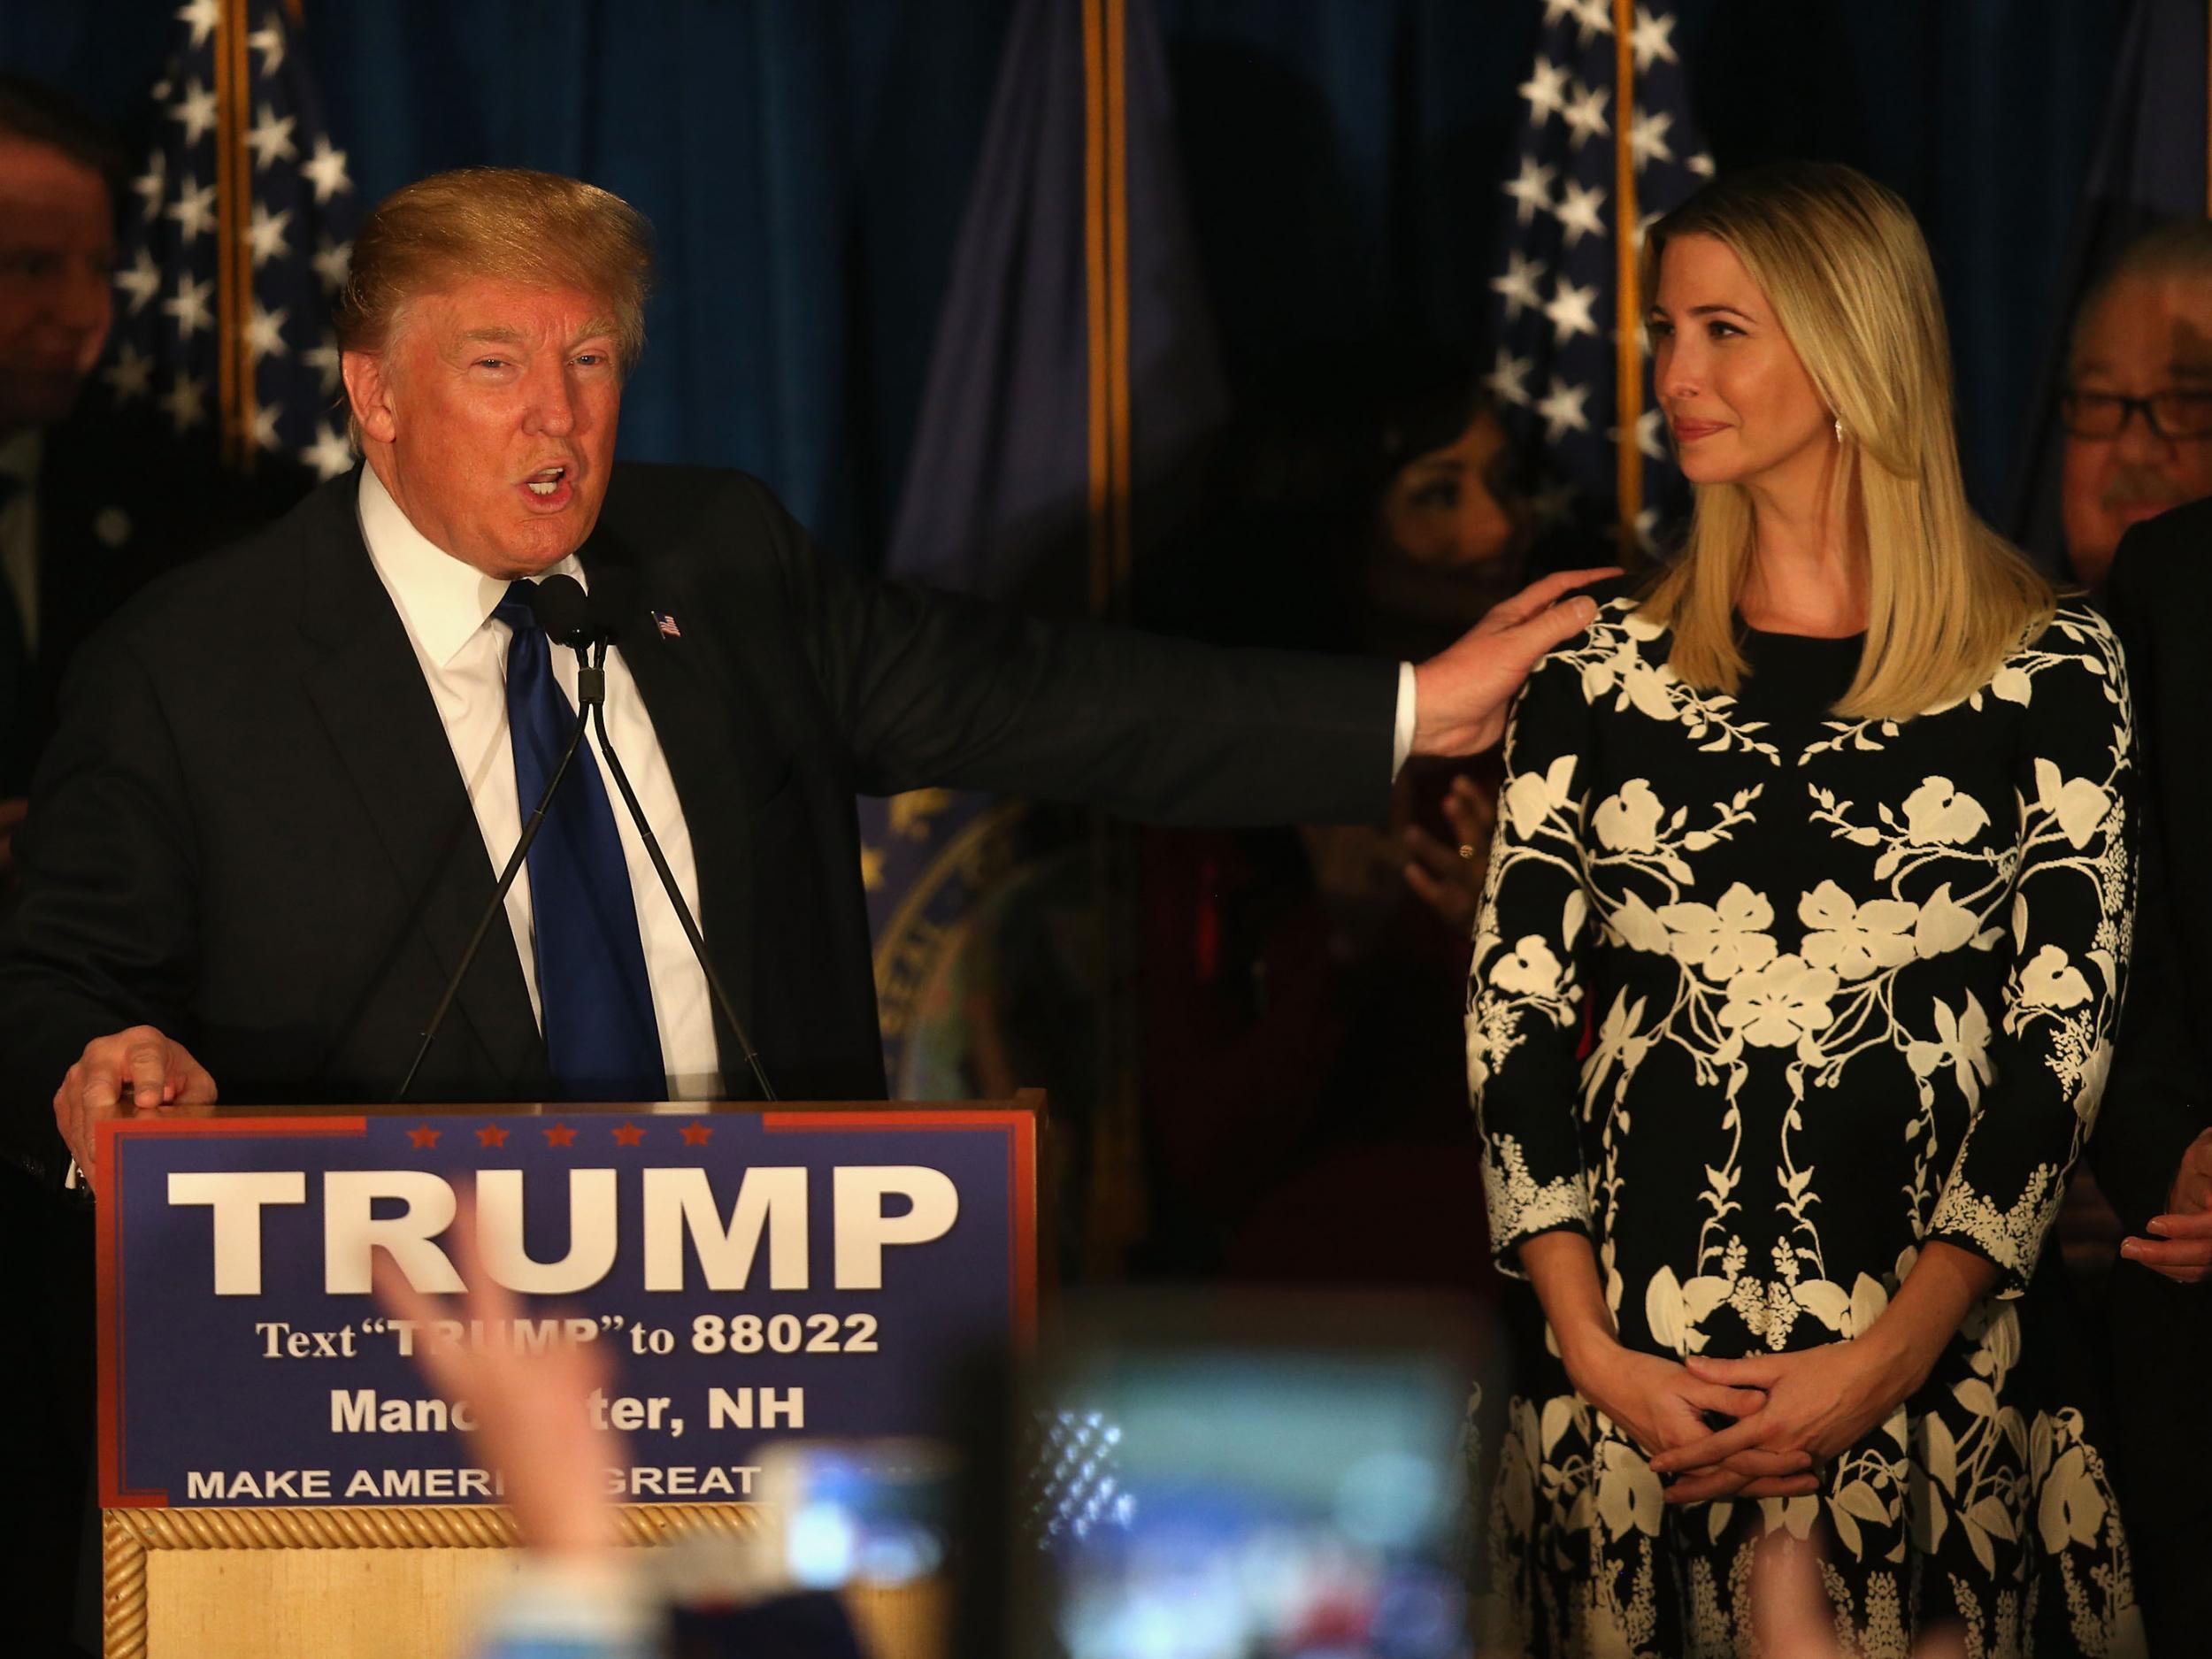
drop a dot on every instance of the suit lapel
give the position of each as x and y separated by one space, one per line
690 713
369 691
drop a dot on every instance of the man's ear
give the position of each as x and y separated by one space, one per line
368 388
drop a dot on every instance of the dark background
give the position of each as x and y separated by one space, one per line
806 162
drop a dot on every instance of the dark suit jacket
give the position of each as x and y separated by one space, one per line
249 832
2157 1100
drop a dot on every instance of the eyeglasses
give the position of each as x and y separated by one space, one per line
2168 414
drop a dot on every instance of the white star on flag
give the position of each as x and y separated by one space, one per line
142 282
1561 409
149 184
1700 165
205 15
326 170
1649 425
182 402
1508 383
131 376
1592 17
271 139
196 110
1647 138
265 234
1649 39
265 417
1518 284
269 42
1570 311
264 333
332 261
194 210
188 306
1553 505
1580 211
1532 190
330 455
324 360
1585 114
1546 90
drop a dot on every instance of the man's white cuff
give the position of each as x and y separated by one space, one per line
1401 738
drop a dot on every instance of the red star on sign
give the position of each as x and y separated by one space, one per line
491 1135
628 1135
424 1136
560 1135
696 1134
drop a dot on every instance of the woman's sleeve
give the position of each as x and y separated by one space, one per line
1525 989
2072 916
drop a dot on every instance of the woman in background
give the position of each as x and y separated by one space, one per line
1828 830
1305 1098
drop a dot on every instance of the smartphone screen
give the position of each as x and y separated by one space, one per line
1188 1504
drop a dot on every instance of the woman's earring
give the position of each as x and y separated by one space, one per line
1839 428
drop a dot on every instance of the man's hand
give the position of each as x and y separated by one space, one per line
1460 693
138 1068
2181 1246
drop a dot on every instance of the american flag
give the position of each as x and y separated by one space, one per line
1557 298
293 227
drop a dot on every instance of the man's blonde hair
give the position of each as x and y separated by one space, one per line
535 229
1848 274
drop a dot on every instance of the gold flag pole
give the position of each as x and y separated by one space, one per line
1114 1204
234 268
1628 331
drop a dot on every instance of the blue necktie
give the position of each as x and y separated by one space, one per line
600 1039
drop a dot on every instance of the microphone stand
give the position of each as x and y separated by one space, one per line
598 712
591 693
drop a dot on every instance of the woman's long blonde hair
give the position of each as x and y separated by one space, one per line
1848 273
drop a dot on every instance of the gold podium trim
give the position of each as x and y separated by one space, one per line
127 1535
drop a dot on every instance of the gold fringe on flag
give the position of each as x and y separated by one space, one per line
1628 320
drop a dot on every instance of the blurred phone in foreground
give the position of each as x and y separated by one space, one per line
1247 1476
853 1539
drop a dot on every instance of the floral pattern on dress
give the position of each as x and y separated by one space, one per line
1850 986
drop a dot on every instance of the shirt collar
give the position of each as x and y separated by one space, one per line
442 600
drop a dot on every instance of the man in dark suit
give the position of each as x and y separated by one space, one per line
2151 1150
283 780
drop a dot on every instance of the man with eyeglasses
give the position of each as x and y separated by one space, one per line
2138 407
2139 523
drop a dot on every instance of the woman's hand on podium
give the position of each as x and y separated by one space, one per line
135 1069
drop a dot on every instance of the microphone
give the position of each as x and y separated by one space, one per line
565 613
612 604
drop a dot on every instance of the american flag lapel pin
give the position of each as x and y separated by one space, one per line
664 623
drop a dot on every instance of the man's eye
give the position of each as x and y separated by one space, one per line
491 362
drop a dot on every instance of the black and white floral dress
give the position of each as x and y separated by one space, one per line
1851 986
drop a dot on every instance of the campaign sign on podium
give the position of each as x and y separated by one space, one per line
750 1273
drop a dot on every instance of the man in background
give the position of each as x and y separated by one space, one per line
2139 447
2138 407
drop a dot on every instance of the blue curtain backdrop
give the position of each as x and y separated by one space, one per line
806 162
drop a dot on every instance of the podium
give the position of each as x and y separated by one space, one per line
277 1476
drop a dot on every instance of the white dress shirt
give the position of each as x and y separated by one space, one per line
462 648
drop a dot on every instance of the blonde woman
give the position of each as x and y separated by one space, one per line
1828 828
